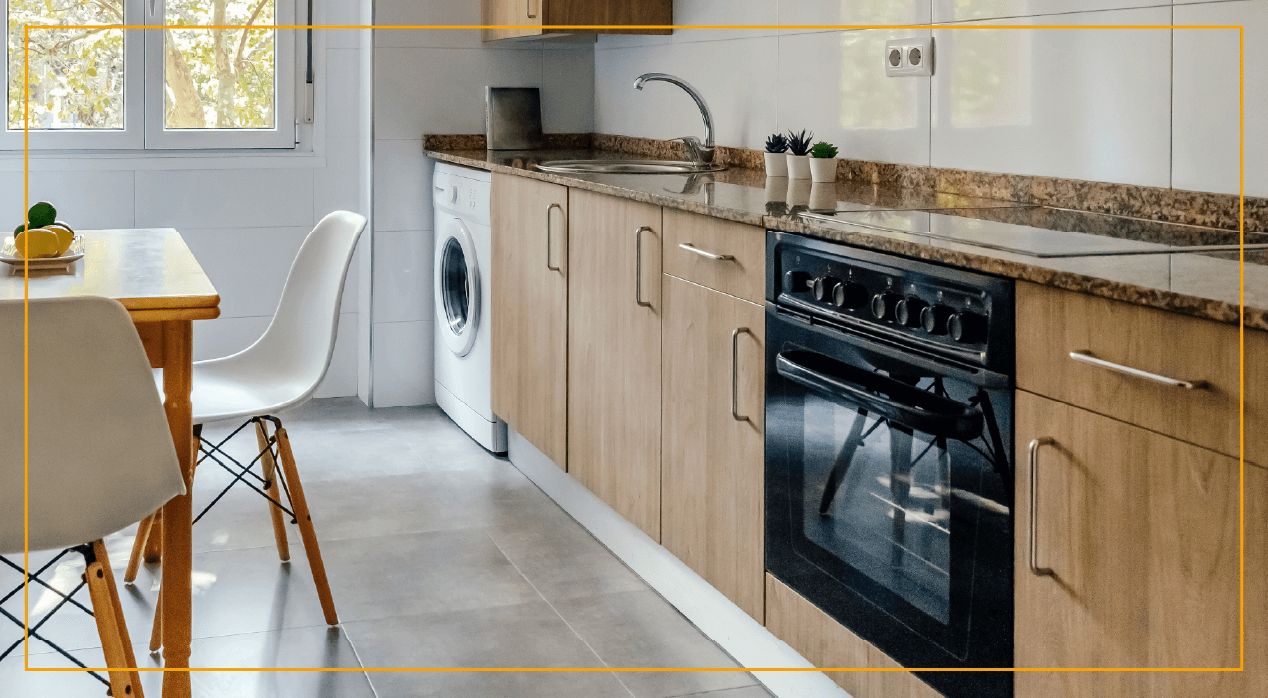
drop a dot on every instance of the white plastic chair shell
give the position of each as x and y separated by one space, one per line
101 452
282 369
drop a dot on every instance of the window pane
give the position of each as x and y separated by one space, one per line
219 78
76 75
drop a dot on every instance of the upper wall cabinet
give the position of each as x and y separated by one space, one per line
529 16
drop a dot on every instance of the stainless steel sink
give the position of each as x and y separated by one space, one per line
625 167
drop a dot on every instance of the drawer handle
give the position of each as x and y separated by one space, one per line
638 267
735 374
719 257
1086 358
1034 509
549 209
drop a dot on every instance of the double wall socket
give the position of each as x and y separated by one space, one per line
909 57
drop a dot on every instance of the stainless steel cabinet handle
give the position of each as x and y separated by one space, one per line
735 374
638 266
719 257
1034 508
550 208
1086 358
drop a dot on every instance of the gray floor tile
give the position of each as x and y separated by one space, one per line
640 629
530 634
744 692
414 573
563 561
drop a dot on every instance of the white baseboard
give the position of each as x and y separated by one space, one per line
717 617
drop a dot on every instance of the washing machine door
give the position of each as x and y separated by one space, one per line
457 287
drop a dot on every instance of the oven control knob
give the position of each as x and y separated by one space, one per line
966 327
796 281
850 296
823 287
883 305
908 311
934 318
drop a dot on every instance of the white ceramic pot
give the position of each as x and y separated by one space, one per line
798 166
776 164
823 169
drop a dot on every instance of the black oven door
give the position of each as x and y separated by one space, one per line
887 497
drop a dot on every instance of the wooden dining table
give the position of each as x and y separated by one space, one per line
154 275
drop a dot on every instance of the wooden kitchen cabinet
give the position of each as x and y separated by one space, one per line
530 310
1141 534
713 368
614 329
529 16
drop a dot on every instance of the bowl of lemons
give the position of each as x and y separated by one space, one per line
42 241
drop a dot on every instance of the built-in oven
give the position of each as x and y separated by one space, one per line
888 442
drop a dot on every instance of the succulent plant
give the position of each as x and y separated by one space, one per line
823 149
776 143
799 143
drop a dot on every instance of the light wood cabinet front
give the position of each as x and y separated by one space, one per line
517 17
530 310
1141 533
721 255
712 369
529 16
614 317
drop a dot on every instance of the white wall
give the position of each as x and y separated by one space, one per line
432 81
1146 107
243 216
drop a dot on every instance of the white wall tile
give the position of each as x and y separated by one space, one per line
433 12
403 276
224 198
88 201
403 364
567 91
343 93
1047 102
341 377
402 185
1205 139
248 266
961 10
429 90
715 12
849 12
834 84
736 78
337 186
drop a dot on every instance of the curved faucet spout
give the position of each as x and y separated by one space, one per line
707 149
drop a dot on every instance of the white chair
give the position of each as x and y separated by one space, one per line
100 452
280 371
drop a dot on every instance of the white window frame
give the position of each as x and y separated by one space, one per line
144 128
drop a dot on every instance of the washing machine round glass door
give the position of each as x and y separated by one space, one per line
457 287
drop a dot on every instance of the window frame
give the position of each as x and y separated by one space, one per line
143 97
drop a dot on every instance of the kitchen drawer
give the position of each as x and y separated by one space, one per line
743 271
1052 324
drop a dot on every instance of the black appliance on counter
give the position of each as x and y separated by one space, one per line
889 475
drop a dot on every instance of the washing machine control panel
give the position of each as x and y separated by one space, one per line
467 198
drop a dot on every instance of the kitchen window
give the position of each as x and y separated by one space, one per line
159 88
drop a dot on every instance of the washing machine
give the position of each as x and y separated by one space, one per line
464 248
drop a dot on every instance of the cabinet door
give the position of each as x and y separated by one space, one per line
614 312
1141 534
713 367
530 310
525 15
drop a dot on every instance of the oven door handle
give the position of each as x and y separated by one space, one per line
883 396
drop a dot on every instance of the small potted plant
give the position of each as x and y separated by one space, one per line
798 158
823 162
776 163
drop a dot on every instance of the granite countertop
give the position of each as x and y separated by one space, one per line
1200 284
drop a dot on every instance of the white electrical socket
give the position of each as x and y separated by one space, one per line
909 57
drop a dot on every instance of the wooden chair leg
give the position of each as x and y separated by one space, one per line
271 489
110 625
154 544
305 520
138 548
156 629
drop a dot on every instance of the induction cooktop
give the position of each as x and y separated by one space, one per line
1040 231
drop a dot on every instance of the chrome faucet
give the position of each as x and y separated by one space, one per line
701 153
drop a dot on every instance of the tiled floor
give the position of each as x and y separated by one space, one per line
439 555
